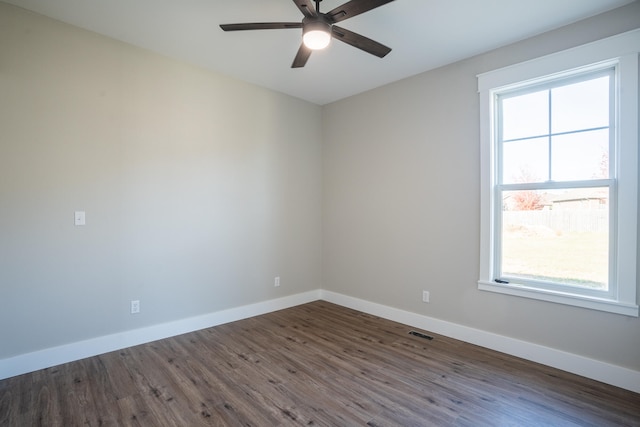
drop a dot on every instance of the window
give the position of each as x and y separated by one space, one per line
559 177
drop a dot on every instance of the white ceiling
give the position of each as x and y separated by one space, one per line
424 34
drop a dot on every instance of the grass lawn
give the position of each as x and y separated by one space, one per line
570 258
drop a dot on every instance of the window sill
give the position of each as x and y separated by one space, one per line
610 306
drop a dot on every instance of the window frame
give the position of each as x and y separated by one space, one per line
621 52
606 69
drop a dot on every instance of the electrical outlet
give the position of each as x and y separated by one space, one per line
135 306
276 281
425 296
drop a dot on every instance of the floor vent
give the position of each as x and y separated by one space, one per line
421 335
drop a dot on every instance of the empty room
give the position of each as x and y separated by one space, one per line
329 213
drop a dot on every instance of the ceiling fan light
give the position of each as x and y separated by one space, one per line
317 35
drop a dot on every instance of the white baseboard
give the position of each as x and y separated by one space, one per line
580 365
49 357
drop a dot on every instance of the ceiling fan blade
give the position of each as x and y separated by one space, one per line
261 26
306 7
353 8
361 42
301 57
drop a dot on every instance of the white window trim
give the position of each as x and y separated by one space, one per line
623 49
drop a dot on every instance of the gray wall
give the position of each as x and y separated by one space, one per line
402 195
198 189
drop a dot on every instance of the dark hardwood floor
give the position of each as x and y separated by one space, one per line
317 364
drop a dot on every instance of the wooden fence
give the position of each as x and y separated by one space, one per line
560 220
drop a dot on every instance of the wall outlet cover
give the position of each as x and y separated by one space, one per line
135 306
425 296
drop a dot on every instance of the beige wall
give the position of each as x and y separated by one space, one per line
402 195
198 189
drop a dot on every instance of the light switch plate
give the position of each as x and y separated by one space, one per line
79 218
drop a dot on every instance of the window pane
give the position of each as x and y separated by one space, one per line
525 115
560 236
583 105
525 161
580 156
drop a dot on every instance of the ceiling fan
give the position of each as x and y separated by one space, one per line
318 28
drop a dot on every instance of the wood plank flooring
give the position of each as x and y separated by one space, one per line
317 364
